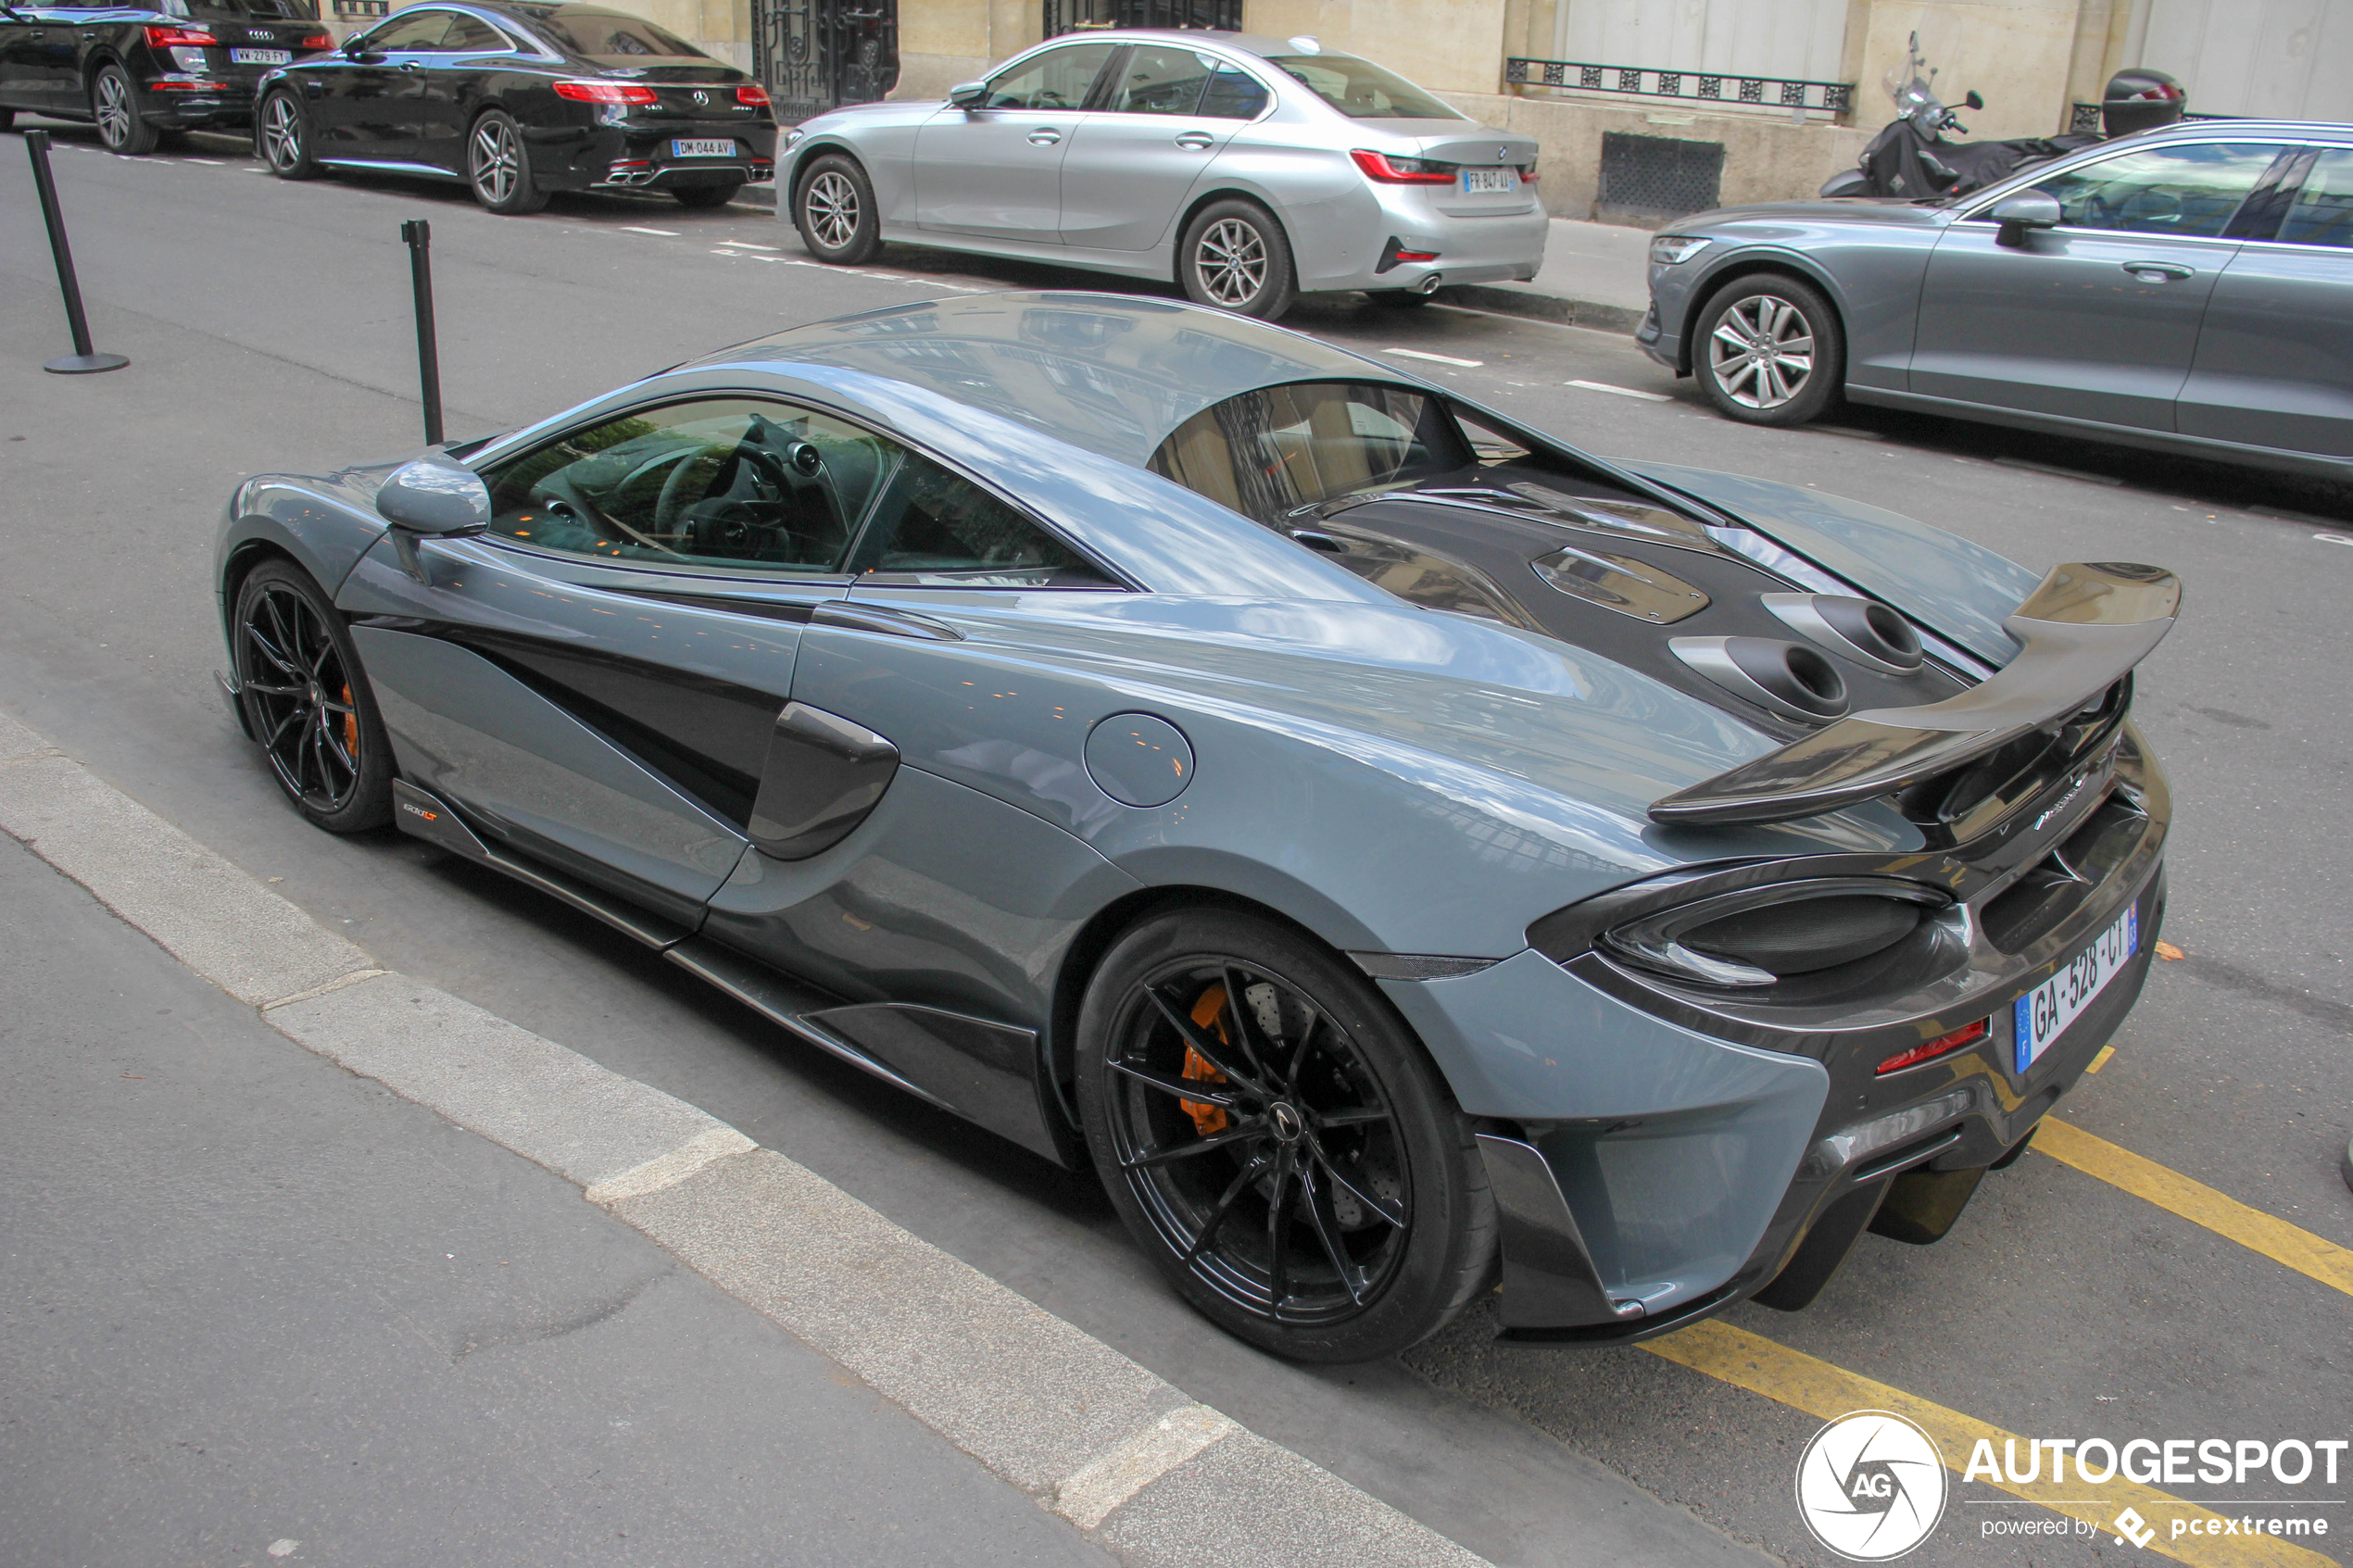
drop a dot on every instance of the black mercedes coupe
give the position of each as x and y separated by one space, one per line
519 101
143 72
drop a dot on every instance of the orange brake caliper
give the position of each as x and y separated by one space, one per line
1207 1118
350 723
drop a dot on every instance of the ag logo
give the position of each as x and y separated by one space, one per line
1871 1486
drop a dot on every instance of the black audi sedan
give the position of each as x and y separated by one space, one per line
519 101
141 72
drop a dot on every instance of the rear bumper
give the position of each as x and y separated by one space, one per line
1503 247
613 158
1655 1163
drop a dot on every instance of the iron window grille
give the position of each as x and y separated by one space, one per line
1683 86
1079 15
2084 120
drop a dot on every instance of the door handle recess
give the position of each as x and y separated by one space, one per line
884 618
1196 141
2150 272
1044 136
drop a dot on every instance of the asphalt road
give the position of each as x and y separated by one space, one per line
268 326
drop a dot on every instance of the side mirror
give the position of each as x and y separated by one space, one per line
2027 209
968 94
431 497
1973 101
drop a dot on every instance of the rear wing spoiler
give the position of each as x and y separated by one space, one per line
2081 631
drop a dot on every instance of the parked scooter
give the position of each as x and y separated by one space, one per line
1910 158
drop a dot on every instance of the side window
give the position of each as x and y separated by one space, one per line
412 32
469 35
722 482
935 527
1056 80
2188 190
1233 95
1161 80
2323 211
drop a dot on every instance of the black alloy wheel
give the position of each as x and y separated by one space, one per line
114 103
706 196
306 701
1274 1137
499 167
1769 350
1235 257
834 209
285 138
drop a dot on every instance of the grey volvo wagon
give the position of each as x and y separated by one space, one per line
2188 288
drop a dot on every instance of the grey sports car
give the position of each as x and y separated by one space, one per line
1247 169
1395 848
2188 288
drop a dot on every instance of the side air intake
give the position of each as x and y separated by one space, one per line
1869 633
1787 679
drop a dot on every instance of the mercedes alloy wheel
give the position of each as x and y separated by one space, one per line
497 167
284 141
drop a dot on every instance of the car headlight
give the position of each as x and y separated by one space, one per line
1668 249
1761 935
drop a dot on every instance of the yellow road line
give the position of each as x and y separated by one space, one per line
1751 1362
2169 1190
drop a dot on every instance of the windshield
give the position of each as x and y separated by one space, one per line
1282 449
1362 90
610 35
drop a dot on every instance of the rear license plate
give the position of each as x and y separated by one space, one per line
261 57
724 147
1490 182
2045 1012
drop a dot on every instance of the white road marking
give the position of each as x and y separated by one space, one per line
208 162
633 229
2054 467
1622 391
745 244
1087 1496
1434 358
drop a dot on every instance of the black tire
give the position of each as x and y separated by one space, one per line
1747 357
833 206
706 196
284 137
306 699
1387 1228
1235 257
498 166
114 105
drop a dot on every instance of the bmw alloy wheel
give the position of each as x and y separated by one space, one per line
1762 352
831 207
497 161
302 707
1259 1143
281 132
1230 259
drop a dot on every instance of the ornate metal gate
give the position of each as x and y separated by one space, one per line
816 54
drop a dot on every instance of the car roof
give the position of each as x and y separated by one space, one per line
2222 125
1111 373
1257 43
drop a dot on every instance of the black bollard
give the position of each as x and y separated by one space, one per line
418 235
84 358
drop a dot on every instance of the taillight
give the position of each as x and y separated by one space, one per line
1763 935
1928 1050
318 40
753 96
607 93
1402 170
1528 173
165 37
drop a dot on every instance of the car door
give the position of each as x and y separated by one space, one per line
2274 365
994 169
2099 317
373 95
449 88
600 677
1129 167
20 68
38 57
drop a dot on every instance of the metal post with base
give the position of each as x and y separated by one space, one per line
84 359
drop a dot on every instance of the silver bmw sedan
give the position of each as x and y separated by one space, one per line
1248 169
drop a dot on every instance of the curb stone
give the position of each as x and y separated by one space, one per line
1125 1457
